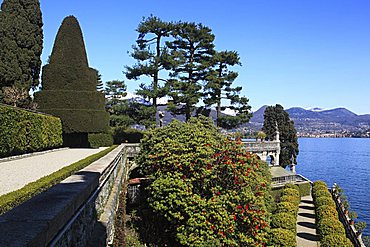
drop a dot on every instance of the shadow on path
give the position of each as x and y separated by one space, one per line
307 207
307 201
308 236
307 224
307 215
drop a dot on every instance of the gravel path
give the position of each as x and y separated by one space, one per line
306 225
15 174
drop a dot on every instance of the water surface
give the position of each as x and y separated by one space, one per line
345 161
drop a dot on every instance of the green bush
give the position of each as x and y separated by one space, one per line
291 186
23 131
282 238
326 211
321 193
287 207
330 226
285 221
291 192
337 240
292 199
100 140
15 198
320 201
319 183
304 189
123 134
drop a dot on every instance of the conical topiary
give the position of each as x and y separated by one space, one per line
69 87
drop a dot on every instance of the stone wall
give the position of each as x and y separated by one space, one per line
68 213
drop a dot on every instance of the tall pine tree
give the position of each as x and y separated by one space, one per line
192 51
219 87
276 115
21 38
152 57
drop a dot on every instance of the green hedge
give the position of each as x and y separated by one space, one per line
282 238
15 198
287 207
291 199
81 120
100 140
326 211
320 201
330 229
123 134
336 240
304 189
285 221
329 226
23 131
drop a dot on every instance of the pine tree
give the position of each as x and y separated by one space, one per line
152 57
219 87
69 87
192 51
276 115
21 38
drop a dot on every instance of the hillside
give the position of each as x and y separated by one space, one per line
315 120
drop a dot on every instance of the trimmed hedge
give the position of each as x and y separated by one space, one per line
330 229
284 220
123 134
291 192
282 238
287 207
291 199
329 226
15 198
100 140
326 211
304 189
22 131
320 201
336 240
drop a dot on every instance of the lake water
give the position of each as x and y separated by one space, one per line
345 161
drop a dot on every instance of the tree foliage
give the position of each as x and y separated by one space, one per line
277 116
208 188
192 50
219 87
151 54
21 39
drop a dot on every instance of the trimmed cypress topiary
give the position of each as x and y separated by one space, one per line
69 87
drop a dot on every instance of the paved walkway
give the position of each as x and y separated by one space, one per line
306 226
14 174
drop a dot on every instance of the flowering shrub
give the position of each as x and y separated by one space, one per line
208 187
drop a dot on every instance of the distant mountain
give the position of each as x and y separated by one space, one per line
317 120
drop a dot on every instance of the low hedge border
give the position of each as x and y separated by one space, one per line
330 229
284 219
15 198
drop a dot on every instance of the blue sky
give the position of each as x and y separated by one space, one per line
296 53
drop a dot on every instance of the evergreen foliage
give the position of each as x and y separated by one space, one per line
151 54
219 86
69 86
207 187
21 39
23 131
276 115
192 50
